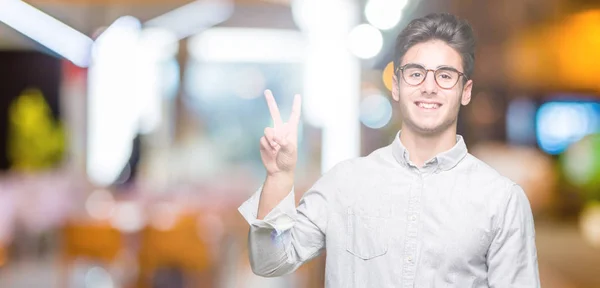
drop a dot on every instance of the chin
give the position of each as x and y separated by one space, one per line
420 128
427 128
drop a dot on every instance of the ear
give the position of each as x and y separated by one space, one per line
395 88
466 95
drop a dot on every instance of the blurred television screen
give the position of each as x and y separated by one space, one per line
562 122
520 122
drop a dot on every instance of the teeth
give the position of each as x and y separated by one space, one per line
428 105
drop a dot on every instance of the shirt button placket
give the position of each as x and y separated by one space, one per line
410 246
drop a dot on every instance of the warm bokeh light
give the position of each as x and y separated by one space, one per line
128 217
570 61
577 45
589 223
125 155
387 75
100 205
164 215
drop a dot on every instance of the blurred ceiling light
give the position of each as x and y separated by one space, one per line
46 30
317 15
156 47
328 101
113 101
247 45
125 92
119 38
384 14
159 43
193 17
365 41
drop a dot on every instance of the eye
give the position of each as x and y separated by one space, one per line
446 75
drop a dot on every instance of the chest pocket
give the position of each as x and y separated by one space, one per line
367 233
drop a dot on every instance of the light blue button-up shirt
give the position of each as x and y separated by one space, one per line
455 222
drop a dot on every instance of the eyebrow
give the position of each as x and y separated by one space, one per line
447 66
438 67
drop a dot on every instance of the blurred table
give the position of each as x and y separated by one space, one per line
565 259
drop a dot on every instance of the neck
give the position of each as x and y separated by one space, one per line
423 147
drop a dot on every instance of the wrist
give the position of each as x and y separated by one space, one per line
282 180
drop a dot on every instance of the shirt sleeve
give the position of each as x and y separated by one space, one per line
512 256
280 219
288 236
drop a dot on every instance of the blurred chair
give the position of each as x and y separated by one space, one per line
3 255
94 241
177 249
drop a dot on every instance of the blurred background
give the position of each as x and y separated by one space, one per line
129 129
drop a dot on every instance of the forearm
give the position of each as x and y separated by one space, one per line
275 189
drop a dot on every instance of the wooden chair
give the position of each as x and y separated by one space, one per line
180 247
94 241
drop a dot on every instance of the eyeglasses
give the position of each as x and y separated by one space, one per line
445 77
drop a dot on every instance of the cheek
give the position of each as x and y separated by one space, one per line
406 94
454 98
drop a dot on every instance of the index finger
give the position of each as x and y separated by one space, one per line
273 108
295 117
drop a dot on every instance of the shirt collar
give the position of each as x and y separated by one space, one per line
444 161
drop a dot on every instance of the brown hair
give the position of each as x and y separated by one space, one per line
457 33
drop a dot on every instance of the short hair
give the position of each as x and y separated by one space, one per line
457 33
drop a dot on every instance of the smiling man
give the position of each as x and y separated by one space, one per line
420 212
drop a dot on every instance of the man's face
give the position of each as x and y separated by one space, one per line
427 108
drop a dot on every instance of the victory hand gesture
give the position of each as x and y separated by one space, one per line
279 145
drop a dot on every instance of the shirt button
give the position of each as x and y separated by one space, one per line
410 259
413 218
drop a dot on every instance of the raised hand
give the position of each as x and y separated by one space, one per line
279 145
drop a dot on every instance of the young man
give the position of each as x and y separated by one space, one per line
421 212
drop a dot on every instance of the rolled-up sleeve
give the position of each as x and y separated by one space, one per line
512 257
280 219
288 236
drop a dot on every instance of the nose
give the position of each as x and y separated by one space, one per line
429 86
